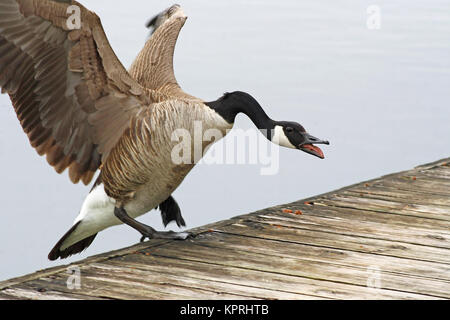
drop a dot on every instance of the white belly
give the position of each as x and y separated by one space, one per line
97 213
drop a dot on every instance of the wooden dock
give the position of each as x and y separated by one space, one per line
388 238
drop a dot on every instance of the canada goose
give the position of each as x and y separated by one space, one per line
85 112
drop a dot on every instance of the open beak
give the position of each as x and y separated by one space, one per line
308 146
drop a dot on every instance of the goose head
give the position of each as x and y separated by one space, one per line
293 135
284 133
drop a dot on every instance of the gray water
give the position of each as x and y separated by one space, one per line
380 96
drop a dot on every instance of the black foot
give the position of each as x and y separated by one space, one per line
170 211
169 235
147 231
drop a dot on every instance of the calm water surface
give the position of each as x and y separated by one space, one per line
380 96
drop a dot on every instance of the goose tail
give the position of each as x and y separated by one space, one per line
60 251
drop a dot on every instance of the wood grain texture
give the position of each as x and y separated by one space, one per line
395 228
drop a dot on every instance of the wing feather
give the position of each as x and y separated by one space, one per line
153 67
72 96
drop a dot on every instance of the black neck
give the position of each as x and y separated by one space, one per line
231 104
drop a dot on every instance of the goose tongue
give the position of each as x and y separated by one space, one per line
311 149
308 145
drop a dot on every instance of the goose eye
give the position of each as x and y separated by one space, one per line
289 129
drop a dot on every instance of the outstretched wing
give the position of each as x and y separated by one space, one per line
153 67
71 94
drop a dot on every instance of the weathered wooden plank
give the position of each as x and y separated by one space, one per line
107 287
396 193
399 196
4 296
435 164
440 173
384 206
342 242
419 177
63 268
410 185
411 286
389 193
273 285
421 269
353 214
201 288
397 226
365 229
126 283
21 292
253 278
432 177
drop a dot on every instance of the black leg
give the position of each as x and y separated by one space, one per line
170 211
147 231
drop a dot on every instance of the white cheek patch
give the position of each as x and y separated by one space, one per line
280 138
